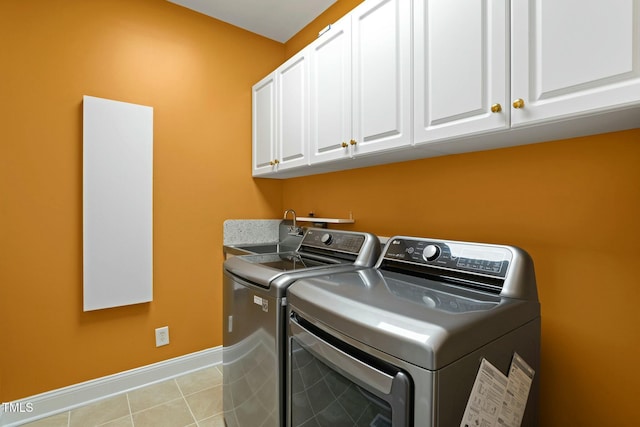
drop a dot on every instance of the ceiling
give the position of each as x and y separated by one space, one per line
275 19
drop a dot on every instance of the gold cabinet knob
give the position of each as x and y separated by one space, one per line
271 163
353 142
276 161
518 103
344 144
496 108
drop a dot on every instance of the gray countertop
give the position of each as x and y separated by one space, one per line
240 234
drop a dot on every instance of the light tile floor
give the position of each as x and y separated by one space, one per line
192 400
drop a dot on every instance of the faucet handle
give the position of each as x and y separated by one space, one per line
295 231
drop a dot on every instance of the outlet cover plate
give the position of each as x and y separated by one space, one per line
162 336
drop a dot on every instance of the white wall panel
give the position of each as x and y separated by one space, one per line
117 203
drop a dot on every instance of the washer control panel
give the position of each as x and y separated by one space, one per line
483 259
334 240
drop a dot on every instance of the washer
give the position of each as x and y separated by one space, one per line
402 344
255 323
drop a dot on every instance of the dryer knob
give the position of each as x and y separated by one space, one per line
431 252
326 238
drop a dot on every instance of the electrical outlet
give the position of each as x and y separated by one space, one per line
162 336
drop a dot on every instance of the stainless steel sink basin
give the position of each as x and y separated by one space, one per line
261 249
265 248
285 244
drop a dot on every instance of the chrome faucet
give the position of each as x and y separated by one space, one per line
294 230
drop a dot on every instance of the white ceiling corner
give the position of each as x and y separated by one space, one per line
275 19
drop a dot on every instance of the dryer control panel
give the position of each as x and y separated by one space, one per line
489 260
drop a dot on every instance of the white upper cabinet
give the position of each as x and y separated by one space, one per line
361 82
330 81
403 79
281 118
381 33
264 125
460 68
573 56
293 117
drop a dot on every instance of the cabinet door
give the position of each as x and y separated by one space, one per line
573 56
330 81
460 49
293 112
264 125
381 75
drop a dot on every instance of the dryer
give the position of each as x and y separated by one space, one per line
417 340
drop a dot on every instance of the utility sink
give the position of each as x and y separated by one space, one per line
286 243
263 248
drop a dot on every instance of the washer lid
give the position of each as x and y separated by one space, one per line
263 269
423 321
319 251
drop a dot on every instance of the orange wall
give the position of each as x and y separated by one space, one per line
572 204
197 73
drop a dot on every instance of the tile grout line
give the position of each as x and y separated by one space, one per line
155 406
137 412
185 402
130 411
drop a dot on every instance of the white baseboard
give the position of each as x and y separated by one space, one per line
67 398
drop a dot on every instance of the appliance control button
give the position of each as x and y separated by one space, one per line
326 238
431 252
